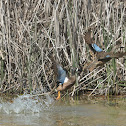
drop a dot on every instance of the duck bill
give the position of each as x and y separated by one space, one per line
58 97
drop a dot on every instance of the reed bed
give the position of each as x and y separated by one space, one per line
32 30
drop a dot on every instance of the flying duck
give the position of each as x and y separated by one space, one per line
101 56
63 82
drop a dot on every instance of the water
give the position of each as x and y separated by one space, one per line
26 110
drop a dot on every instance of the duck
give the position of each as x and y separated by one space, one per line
63 81
102 57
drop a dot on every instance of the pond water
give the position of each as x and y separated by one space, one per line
28 111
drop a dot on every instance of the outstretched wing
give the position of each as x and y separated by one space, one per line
105 55
117 54
87 37
90 42
59 72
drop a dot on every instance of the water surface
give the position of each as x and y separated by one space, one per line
28 111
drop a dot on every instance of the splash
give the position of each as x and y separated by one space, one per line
26 104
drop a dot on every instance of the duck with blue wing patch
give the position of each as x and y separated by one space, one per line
63 82
102 57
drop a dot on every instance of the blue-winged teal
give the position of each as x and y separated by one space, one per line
101 56
63 82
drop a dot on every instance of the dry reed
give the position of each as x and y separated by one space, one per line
33 30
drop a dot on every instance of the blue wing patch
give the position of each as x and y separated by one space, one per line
96 48
108 56
61 74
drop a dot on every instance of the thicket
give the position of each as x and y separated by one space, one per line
32 30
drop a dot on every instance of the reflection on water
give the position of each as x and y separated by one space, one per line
28 111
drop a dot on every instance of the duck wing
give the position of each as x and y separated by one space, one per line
88 38
94 47
59 72
109 55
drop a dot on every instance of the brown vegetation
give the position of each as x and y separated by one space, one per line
31 30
